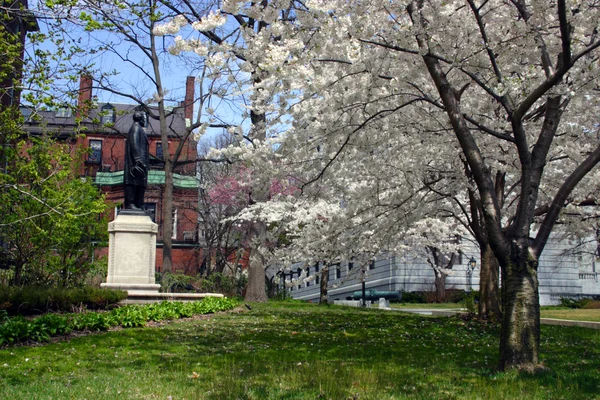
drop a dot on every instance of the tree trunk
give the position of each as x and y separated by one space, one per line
440 287
489 299
520 334
167 260
323 296
256 289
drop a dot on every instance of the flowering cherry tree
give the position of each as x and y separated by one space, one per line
385 96
396 111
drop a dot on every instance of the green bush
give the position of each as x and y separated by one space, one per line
35 300
228 285
470 302
178 283
585 302
40 329
52 324
93 321
130 316
413 297
15 330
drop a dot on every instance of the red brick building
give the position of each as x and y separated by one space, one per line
103 131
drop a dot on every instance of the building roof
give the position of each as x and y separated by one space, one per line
63 121
154 178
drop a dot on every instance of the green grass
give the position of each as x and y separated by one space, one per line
577 314
298 351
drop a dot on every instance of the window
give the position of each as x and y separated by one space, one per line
317 276
159 151
108 114
174 237
26 112
64 112
95 155
371 265
338 271
350 265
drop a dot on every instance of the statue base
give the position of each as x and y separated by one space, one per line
132 252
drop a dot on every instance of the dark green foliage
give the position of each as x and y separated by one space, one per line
470 302
225 284
15 330
131 316
452 296
36 300
93 321
216 282
586 302
178 283
40 329
413 297
52 324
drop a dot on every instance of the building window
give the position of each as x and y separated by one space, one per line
350 265
371 265
108 114
159 150
95 155
317 275
64 112
174 237
338 271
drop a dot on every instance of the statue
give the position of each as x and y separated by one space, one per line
137 158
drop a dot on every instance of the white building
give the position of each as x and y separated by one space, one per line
562 273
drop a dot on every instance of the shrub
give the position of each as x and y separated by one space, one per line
130 316
225 284
178 283
413 297
52 324
18 329
15 330
470 302
585 302
93 321
34 300
593 304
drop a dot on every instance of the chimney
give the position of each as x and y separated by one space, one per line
188 104
84 102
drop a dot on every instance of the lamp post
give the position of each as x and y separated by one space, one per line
470 268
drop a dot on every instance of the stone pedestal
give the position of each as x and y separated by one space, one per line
132 252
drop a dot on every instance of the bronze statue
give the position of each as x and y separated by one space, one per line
137 159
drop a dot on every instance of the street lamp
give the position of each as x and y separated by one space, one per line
470 268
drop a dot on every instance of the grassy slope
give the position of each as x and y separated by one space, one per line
293 351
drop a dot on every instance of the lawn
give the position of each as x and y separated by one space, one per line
546 312
570 313
299 351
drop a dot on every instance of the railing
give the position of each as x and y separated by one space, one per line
588 276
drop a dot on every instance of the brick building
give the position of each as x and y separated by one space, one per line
102 130
17 20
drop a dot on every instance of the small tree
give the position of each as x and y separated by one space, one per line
50 218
